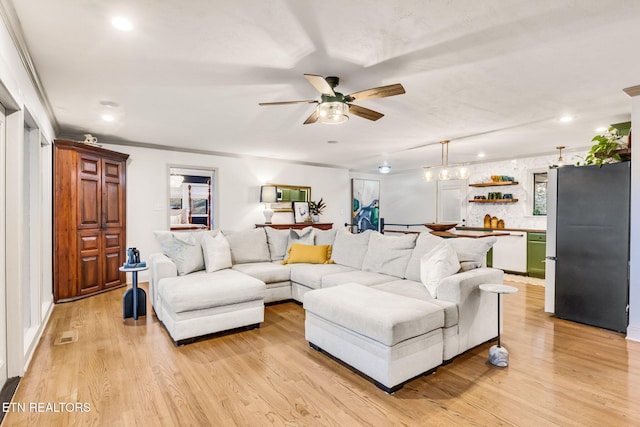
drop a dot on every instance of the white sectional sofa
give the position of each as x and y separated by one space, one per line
415 272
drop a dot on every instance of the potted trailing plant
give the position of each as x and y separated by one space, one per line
609 148
315 209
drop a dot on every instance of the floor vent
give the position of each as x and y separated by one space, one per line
66 337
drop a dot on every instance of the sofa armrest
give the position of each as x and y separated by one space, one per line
161 266
458 287
477 310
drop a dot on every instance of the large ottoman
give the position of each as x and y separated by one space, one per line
203 303
389 338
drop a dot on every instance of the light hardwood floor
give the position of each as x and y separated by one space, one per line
130 374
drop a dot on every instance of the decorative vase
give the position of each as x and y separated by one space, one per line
316 218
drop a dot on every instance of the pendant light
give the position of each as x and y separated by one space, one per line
445 173
560 161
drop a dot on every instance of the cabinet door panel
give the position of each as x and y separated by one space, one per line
89 277
112 194
510 253
113 258
89 197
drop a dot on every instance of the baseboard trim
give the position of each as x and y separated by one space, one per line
633 333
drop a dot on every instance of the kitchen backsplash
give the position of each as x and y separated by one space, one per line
520 213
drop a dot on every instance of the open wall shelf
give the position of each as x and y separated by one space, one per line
494 184
493 201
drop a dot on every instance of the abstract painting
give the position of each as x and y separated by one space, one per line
365 202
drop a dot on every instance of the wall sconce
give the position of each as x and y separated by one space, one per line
268 194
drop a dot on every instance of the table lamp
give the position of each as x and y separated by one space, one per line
268 194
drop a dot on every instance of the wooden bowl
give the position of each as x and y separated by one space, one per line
440 227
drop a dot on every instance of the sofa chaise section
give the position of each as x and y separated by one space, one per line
200 303
389 338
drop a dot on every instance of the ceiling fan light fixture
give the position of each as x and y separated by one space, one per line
333 112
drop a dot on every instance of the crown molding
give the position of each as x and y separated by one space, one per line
12 23
632 91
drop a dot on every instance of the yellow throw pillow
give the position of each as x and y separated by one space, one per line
309 254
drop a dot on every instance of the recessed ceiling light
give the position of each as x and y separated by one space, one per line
601 129
332 142
481 155
108 117
122 24
385 167
566 119
110 104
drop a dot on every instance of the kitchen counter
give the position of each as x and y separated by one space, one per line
474 234
525 230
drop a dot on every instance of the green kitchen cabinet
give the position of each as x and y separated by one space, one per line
536 252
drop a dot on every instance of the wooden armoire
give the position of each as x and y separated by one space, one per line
89 220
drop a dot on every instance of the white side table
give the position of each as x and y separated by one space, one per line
498 355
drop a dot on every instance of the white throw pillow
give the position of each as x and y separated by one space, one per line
183 249
474 250
389 254
350 249
305 236
248 246
277 241
325 237
217 252
425 243
440 262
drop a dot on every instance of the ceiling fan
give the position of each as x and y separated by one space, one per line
334 106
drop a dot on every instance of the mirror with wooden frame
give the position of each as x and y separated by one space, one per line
287 194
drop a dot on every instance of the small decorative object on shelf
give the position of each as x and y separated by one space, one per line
315 209
90 140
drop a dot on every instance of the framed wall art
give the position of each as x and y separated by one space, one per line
365 202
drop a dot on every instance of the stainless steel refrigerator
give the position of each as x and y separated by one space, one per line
588 226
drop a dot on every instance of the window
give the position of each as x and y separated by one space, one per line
540 193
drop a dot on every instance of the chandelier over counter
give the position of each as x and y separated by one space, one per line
446 171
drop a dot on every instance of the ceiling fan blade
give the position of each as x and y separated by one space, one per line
365 113
320 84
312 118
377 92
288 102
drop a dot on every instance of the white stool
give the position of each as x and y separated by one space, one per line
498 355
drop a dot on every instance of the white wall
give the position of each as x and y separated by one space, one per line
238 186
406 198
19 95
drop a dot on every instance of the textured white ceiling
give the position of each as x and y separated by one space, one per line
493 76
